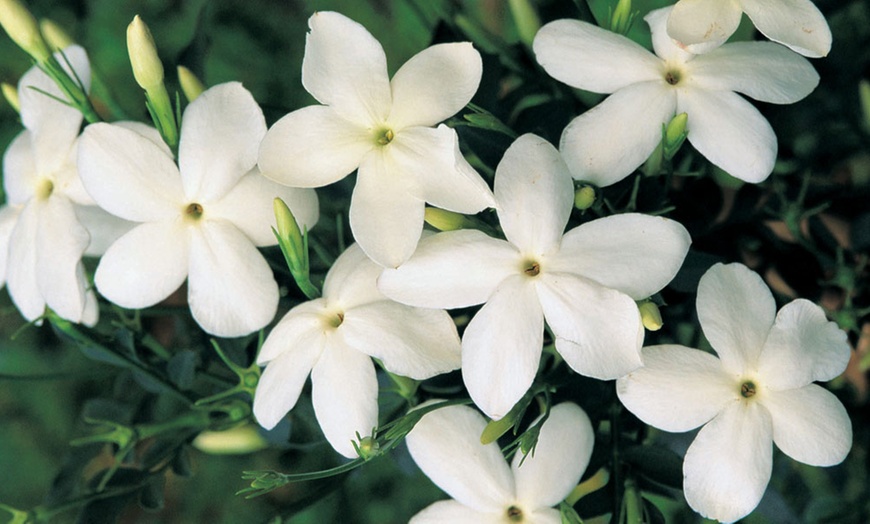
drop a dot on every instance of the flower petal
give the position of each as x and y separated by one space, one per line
313 147
345 67
559 460
441 175
797 24
231 289
283 379
103 228
501 347
297 329
20 175
8 218
633 253
762 70
664 46
535 195
21 272
598 330
145 265
599 147
802 347
709 22
736 312
385 217
445 444
60 242
345 395
413 342
455 513
588 57
451 270
728 466
810 425
677 389
128 175
435 84
248 206
220 138
352 280
729 132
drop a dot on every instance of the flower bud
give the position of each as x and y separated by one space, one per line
23 29
526 19
444 220
621 18
675 135
288 228
234 441
864 95
11 95
190 84
650 316
147 67
367 448
56 37
584 197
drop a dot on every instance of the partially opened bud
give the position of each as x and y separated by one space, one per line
622 17
650 316
526 19
147 67
675 135
584 197
190 84
444 220
234 441
56 37
11 95
23 29
288 228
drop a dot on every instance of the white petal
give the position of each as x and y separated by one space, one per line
559 460
220 137
20 174
802 347
451 270
664 46
8 219
21 272
248 206
729 132
598 330
91 314
352 280
797 24
103 228
736 312
810 425
442 177
283 379
128 175
589 57
313 147
501 347
545 516
147 131
54 125
385 217
677 389
703 21
60 242
145 265
413 342
435 84
762 70
727 467
535 195
455 513
445 444
633 253
297 329
599 146
345 67
231 289
345 395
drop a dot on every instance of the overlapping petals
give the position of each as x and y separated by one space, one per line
382 128
204 218
334 338
445 444
648 90
758 394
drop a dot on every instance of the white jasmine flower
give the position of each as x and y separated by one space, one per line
608 142
584 284
759 391
704 24
445 444
199 220
42 235
382 128
334 338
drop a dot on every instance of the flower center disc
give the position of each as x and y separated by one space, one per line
336 320
44 189
515 514
747 389
194 210
672 77
385 137
532 268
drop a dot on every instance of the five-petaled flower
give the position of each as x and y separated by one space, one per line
608 142
759 391
382 128
199 220
445 444
334 339
584 283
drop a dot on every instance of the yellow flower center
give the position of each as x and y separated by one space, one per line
514 514
44 188
334 320
531 268
747 389
384 136
194 211
673 77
